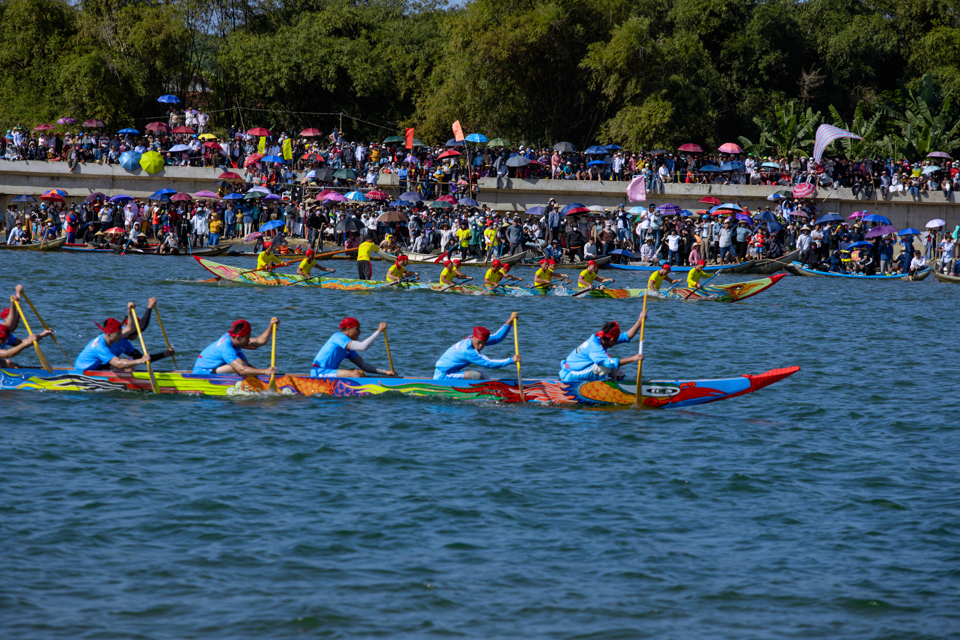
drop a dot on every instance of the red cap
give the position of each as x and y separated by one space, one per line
456 261
666 266
110 325
495 263
4 333
543 261
506 267
240 328
4 313
447 263
591 263
481 333
309 252
551 261
349 322
701 263
401 257
613 332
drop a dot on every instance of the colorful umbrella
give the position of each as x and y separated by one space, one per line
118 231
168 192
253 195
67 120
59 192
470 202
596 163
412 158
253 158
207 136
182 129
939 154
213 145
311 133
52 197
449 154
830 217
573 209
857 214
730 147
909 231
152 162
766 216
727 207
93 197
158 127
596 150
272 198
732 166
252 236
669 209
804 190
690 148
314 157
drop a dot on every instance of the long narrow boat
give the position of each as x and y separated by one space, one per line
728 268
807 271
769 266
428 258
944 277
205 252
580 266
84 248
52 245
715 293
656 393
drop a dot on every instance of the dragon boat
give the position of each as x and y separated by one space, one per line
715 293
656 393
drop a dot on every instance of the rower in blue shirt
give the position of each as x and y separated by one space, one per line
590 361
225 356
104 351
344 345
466 352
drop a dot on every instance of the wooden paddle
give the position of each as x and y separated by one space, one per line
143 345
690 293
156 312
36 343
516 347
45 326
272 387
643 325
386 342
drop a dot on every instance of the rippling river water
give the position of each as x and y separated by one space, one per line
824 506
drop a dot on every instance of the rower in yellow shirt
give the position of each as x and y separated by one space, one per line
364 252
451 269
267 260
494 274
543 278
307 265
658 277
398 271
693 277
589 275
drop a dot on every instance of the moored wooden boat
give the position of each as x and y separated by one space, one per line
944 277
726 268
205 252
51 245
428 258
771 265
656 393
807 271
710 292
570 265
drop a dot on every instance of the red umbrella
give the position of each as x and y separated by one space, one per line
230 176
115 231
729 147
52 196
710 200
377 195
182 130
44 127
159 127
213 145
447 198
314 157
93 123
311 133
803 190
181 197
692 148
252 159
449 154
258 131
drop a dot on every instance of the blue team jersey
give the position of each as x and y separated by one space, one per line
218 354
98 353
11 341
590 353
331 354
462 355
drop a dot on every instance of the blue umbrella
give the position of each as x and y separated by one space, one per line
613 147
277 159
411 196
770 165
273 224
773 227
159 197
168 99
859 244
931 169
168 192
121 198
707 168
233 196
24 198
876 217
400 203
130 160
468 202
596 163
745 218
477 137
356 196
669 209
574 208
596 150
452 142
728 206
909 231
622 252
732 166
686 213
536 211
133 132
637 210
765 216
830 217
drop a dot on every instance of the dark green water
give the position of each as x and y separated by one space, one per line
823 506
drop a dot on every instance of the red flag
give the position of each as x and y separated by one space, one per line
457 131
408 138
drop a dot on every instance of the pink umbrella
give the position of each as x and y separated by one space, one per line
882 230
334 197
377 195
67 120
310 133
181 197
44 127
93 123
448 198
413 159
729 147
803 190
692 148
206 194
856 214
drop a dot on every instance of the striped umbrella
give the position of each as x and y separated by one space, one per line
669 210
804 190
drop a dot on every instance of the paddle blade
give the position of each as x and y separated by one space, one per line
43 358
272 387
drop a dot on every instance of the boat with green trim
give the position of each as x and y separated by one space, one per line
656 393
711 292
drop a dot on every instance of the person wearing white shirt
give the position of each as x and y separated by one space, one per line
590 250
918 263
947 246
202 120
673 246
648 253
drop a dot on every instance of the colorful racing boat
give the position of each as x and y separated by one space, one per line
714 293
656 393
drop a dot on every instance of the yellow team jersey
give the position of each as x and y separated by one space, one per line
464 235
655 281
543 274
446 276
493 275
397 271
491 236
265 259
365 250
693 278
306 265
587 276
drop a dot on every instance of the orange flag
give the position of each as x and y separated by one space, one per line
457 131
408 138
